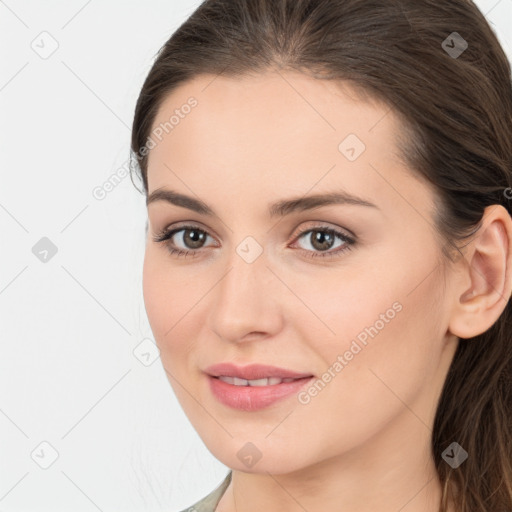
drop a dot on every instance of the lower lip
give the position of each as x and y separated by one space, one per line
254 398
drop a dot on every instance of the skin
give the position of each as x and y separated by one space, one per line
362 443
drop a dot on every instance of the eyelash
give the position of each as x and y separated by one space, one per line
166 235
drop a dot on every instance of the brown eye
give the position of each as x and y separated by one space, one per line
183 241
193 238
319 240
189 240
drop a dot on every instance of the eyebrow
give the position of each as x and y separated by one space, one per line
279 208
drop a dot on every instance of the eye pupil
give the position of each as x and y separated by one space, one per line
194 238
321 237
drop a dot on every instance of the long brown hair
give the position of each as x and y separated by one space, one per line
440 67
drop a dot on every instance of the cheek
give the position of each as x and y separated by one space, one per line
340 305
384 347
385 318
156 294
165 296
173 302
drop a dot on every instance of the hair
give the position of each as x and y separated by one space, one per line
455 112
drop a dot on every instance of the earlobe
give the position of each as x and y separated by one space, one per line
488 267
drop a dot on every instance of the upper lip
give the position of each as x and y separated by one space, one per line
253 371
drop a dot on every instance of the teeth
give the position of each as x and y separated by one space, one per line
271 381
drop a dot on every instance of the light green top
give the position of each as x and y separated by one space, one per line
209 503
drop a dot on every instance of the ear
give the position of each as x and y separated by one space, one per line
487 267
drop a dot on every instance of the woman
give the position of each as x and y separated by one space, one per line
328 266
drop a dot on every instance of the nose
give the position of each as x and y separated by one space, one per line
246 302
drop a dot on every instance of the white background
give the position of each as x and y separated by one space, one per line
69 326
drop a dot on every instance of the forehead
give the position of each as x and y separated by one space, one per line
270 101
275 130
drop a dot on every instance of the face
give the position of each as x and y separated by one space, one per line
350 293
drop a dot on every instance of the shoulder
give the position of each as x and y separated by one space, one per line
210 502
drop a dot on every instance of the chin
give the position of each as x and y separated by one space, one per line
246 457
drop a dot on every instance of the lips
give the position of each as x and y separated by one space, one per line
270 381
253 372
253 387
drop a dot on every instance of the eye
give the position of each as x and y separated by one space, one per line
321 239
318 244
192 239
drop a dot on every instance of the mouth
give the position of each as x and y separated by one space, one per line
251 388
269 381
254 374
